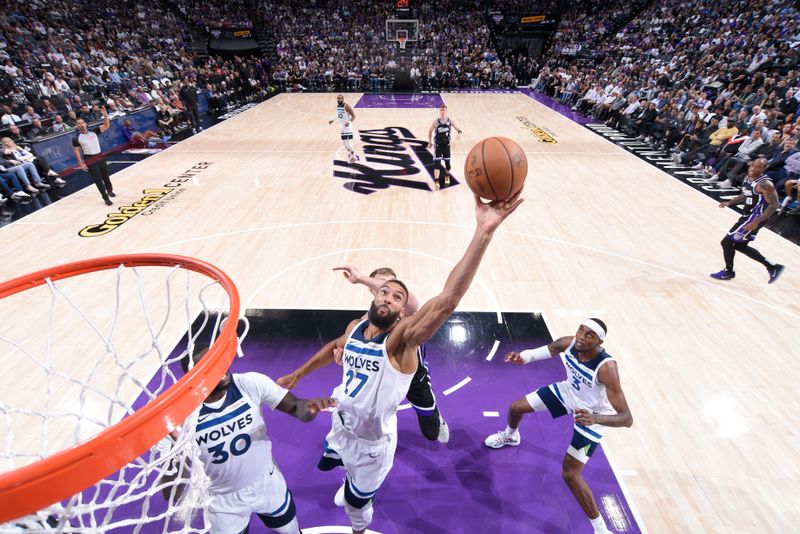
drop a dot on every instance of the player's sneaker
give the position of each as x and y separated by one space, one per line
724 274
776 272
502 439
444 430
338 499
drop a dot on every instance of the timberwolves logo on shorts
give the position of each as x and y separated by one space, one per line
392 157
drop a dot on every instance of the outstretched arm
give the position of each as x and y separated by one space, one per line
557 346
304 410
424 324
323 357
609 377
106 123
354 276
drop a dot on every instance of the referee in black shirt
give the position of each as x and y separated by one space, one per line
88 141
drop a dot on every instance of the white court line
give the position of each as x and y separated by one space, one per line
458 386
491 414
471 228
494 349
631 503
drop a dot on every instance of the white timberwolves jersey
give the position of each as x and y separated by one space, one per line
582 385
341 118
234 446
371 389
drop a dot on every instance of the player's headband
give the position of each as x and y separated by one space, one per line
595 327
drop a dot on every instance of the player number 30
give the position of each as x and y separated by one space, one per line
238 446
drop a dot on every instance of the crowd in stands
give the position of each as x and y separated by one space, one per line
715 83
60 62
208 15
344 47
698 78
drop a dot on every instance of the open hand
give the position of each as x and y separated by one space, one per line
338 352
490 215
351 274
515 358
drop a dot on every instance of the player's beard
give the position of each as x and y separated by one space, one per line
382 321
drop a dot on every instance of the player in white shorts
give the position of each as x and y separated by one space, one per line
237 454
345 117
379 360
592 392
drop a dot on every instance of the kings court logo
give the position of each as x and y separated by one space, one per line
392 157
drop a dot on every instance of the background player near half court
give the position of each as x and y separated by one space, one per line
344 118
439 140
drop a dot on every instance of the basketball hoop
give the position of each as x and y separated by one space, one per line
55 480
402 40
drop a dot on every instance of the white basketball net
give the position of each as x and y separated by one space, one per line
100 361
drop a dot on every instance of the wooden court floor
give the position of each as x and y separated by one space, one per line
707 366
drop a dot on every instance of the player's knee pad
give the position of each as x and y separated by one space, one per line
429 425
354 500
283 519
360 518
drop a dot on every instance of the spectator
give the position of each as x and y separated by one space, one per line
9 117
188 96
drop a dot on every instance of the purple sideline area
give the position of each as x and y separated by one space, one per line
461 487
400 100
434 100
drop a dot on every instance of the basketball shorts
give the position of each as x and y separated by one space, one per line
347 133
442 152
367 462
739 234
420 394
269 497
556 399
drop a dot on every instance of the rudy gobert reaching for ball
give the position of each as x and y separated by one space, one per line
592 392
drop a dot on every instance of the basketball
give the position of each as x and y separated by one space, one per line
496 168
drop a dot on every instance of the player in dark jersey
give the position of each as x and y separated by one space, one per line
760 202
439 139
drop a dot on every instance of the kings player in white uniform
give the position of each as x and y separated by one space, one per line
237 453
344 118
592 392
379 360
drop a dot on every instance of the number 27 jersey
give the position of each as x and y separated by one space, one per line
371 388
234 446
